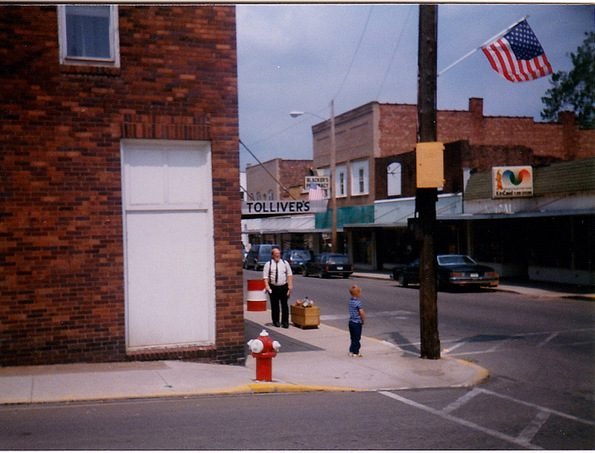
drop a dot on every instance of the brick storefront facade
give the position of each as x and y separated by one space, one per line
61 127
377 130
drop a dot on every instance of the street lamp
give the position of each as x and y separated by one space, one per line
333 163
297 113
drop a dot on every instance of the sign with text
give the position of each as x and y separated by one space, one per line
511 182
321 181
283 207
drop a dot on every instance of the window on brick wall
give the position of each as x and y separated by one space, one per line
359 177
88 35
341 186
393 179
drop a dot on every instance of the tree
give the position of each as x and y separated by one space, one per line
574 90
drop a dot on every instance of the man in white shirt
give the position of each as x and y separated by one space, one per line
278 281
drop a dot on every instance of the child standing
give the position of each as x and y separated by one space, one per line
357 316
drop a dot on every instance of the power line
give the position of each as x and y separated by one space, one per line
392 58
361 38
266 169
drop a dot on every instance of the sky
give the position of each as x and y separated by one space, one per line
299 57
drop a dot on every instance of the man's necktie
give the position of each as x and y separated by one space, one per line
277 273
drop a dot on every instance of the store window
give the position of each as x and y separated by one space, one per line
89 35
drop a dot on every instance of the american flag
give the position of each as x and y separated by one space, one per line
315 192
518 55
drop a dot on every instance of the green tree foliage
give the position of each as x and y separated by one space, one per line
574 90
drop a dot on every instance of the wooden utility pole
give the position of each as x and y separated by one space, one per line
334 245
425 198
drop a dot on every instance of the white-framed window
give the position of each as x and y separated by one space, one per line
341 180
270 196
88 34
359 178
393 179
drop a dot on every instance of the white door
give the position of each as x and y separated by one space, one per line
169 246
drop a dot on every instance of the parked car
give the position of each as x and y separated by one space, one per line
297 258
452 271
329 264
258 255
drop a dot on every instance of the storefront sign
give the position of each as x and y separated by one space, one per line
511 182
313 181
283 207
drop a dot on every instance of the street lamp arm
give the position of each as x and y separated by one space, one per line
296 113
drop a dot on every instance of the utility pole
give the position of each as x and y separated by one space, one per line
425 198
334 245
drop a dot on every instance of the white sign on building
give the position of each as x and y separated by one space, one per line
512 182
283 207
321 181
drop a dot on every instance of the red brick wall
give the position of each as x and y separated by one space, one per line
560 140
291 175
457 155
62 280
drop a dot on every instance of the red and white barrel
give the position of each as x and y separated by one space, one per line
257 300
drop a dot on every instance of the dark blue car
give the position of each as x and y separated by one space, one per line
452 270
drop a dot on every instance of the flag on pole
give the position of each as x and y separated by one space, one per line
315 192
518 55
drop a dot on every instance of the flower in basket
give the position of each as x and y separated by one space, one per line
308 302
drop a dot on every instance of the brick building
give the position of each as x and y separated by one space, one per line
120 178
376 183
277 179
376 161
377 130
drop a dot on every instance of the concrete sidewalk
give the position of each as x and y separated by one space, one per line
309 360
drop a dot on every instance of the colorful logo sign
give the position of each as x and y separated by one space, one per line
510 182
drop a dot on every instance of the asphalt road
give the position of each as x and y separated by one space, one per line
544 344
539 395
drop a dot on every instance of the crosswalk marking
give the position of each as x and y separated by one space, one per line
460 421
523 439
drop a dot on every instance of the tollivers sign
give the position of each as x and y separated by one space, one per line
286 207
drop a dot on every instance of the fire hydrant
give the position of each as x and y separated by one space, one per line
263 350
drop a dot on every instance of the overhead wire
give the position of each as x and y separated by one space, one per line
361 38
285 189
394 52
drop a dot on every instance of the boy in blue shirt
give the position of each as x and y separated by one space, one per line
357 316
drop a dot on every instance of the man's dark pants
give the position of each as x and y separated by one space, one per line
279 297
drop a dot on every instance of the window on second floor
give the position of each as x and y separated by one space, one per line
359 178
341 183
393 179
89 35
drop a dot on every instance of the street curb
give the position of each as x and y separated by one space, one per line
579 297
274 387
481 373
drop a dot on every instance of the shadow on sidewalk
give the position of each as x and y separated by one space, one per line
404 343
288 344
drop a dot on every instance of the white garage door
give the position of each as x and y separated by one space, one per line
168 226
